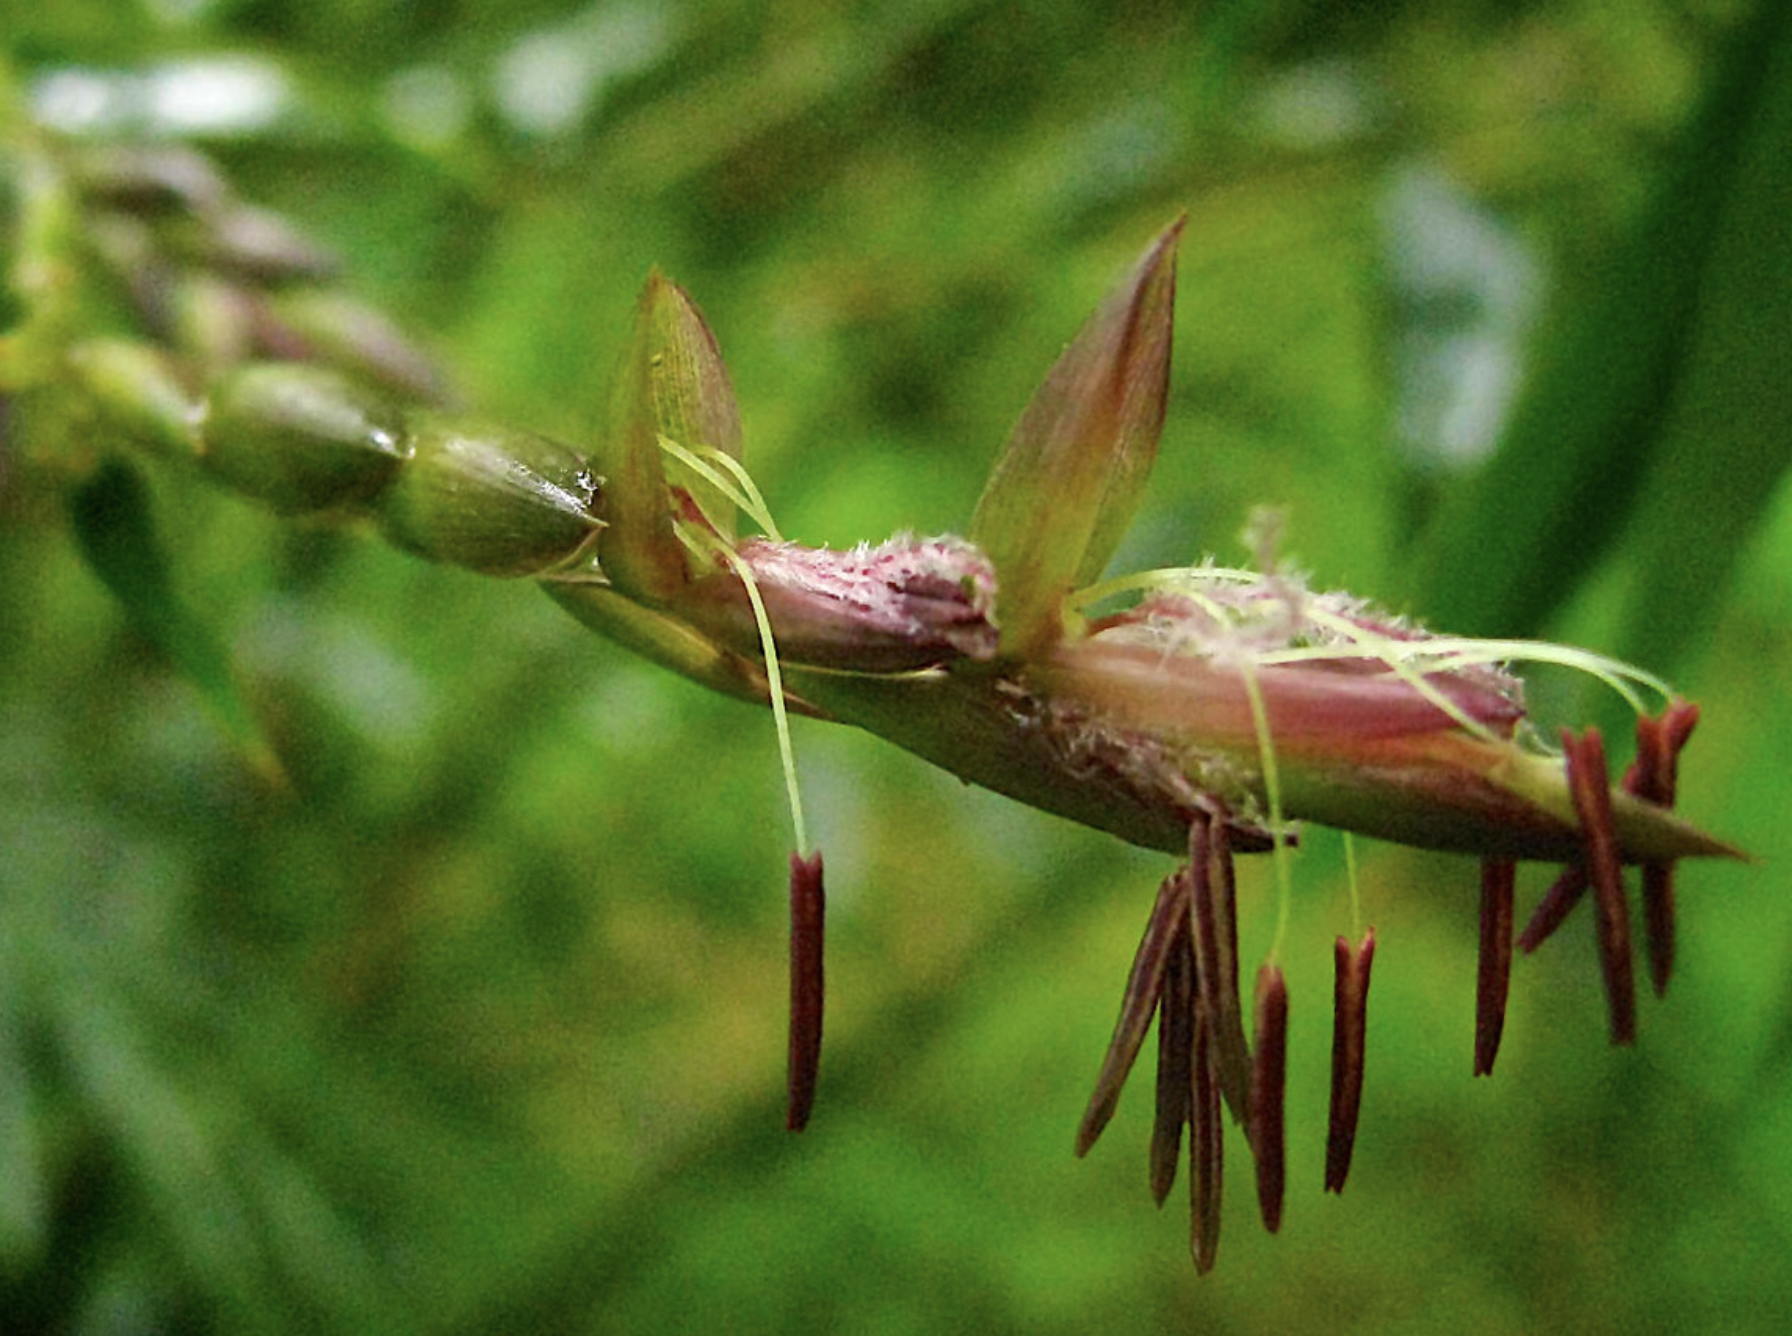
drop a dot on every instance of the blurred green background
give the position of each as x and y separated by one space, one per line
477 1025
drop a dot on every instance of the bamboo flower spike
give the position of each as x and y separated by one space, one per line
1201 719
1196 711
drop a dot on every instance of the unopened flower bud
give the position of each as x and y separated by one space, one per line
213 322
497 501
300 438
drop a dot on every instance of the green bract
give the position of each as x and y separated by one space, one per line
1065 489
671 384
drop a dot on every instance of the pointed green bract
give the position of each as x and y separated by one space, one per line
1075 465
693 398
672 384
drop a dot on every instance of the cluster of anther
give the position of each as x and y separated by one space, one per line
1651 777
1185 974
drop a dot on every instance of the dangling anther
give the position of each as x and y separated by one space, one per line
808 911
1494 973
1653 777
1206 1148
1144 986
1552 911
1214 916
1269 1081
1175 1061
1350 1025
1590 786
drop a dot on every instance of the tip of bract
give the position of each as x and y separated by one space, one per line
672 385
1075 465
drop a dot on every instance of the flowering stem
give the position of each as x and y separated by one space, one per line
1201 721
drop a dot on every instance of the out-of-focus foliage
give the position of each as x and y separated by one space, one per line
474 1023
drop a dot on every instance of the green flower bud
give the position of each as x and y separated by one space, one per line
496 501
299 438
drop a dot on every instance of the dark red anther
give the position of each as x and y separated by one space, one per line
1590 786
1269 1081
1494 974
1206 1149
1553 910
1658 744
1175 1059
1651 777
1214 917
1144 986
808 912
1350 1025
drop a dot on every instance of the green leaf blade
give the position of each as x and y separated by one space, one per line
117 537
